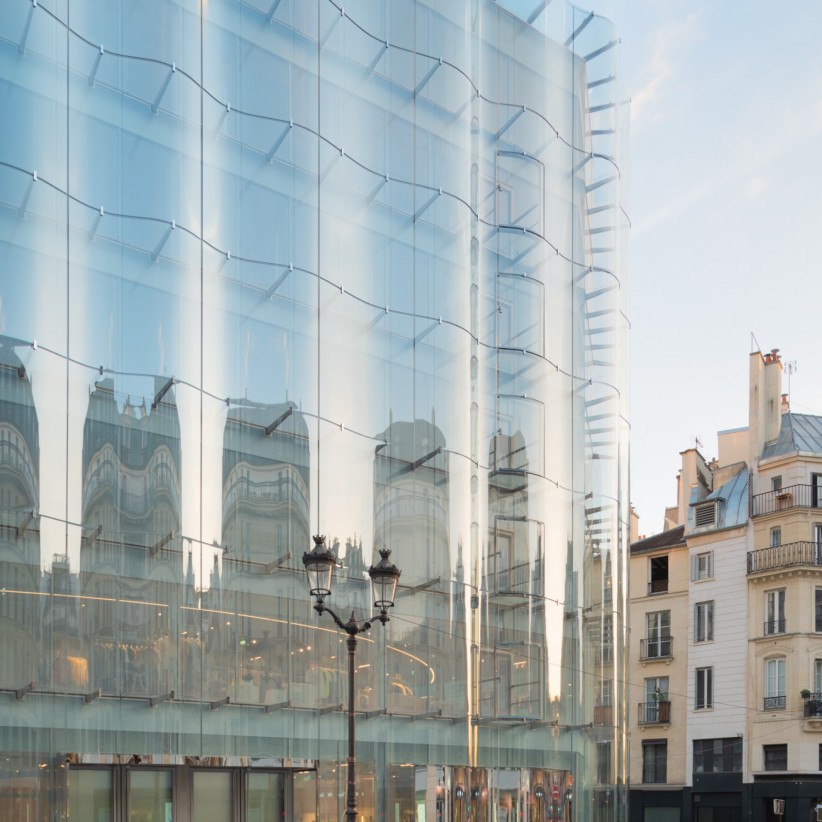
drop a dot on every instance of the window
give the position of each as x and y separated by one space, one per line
776 483
820 757
776 537
774 684
816 490
817 538
818 610
705 514
654 760
817 676
603 763
718 755
702 566
658 632
775 612
658 575
775 757
656 707
703 621
704 688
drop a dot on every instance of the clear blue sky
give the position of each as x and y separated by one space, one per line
726 207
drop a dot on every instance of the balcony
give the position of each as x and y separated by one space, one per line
785 556
813 706
603 715
775 626
774 703
658 648
654 713
792 496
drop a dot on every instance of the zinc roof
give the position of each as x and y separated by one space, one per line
799 432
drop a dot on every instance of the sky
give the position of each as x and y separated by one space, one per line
725 201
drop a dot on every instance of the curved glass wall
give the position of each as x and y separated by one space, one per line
274 268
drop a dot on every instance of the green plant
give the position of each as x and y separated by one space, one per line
805 693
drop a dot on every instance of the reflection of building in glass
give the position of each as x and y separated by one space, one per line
411 517
266 466
411 498
20 611
265 483
512 665
130 560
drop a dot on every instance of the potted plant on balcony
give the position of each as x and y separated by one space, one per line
813 707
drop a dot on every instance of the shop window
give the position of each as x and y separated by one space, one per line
211 799
149 794
92 794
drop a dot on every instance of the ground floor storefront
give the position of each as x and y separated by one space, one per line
145 788
725 798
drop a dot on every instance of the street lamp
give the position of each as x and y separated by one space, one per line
319 566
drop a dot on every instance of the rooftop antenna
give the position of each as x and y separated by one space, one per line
754 344
790 368
697 443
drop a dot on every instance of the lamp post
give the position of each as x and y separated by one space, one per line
319 565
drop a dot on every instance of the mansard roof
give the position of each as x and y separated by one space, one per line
799 432
667 539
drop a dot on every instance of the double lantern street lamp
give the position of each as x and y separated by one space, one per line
319 565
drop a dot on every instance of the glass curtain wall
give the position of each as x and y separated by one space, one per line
275 268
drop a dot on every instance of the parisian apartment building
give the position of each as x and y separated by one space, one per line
726 626
273 270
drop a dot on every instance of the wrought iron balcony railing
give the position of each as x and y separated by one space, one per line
774 703
785 556
813 705
792 496
654 713
658 648
658 586
775 626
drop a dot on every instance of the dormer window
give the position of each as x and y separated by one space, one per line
705 514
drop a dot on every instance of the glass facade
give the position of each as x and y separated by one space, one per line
276 268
